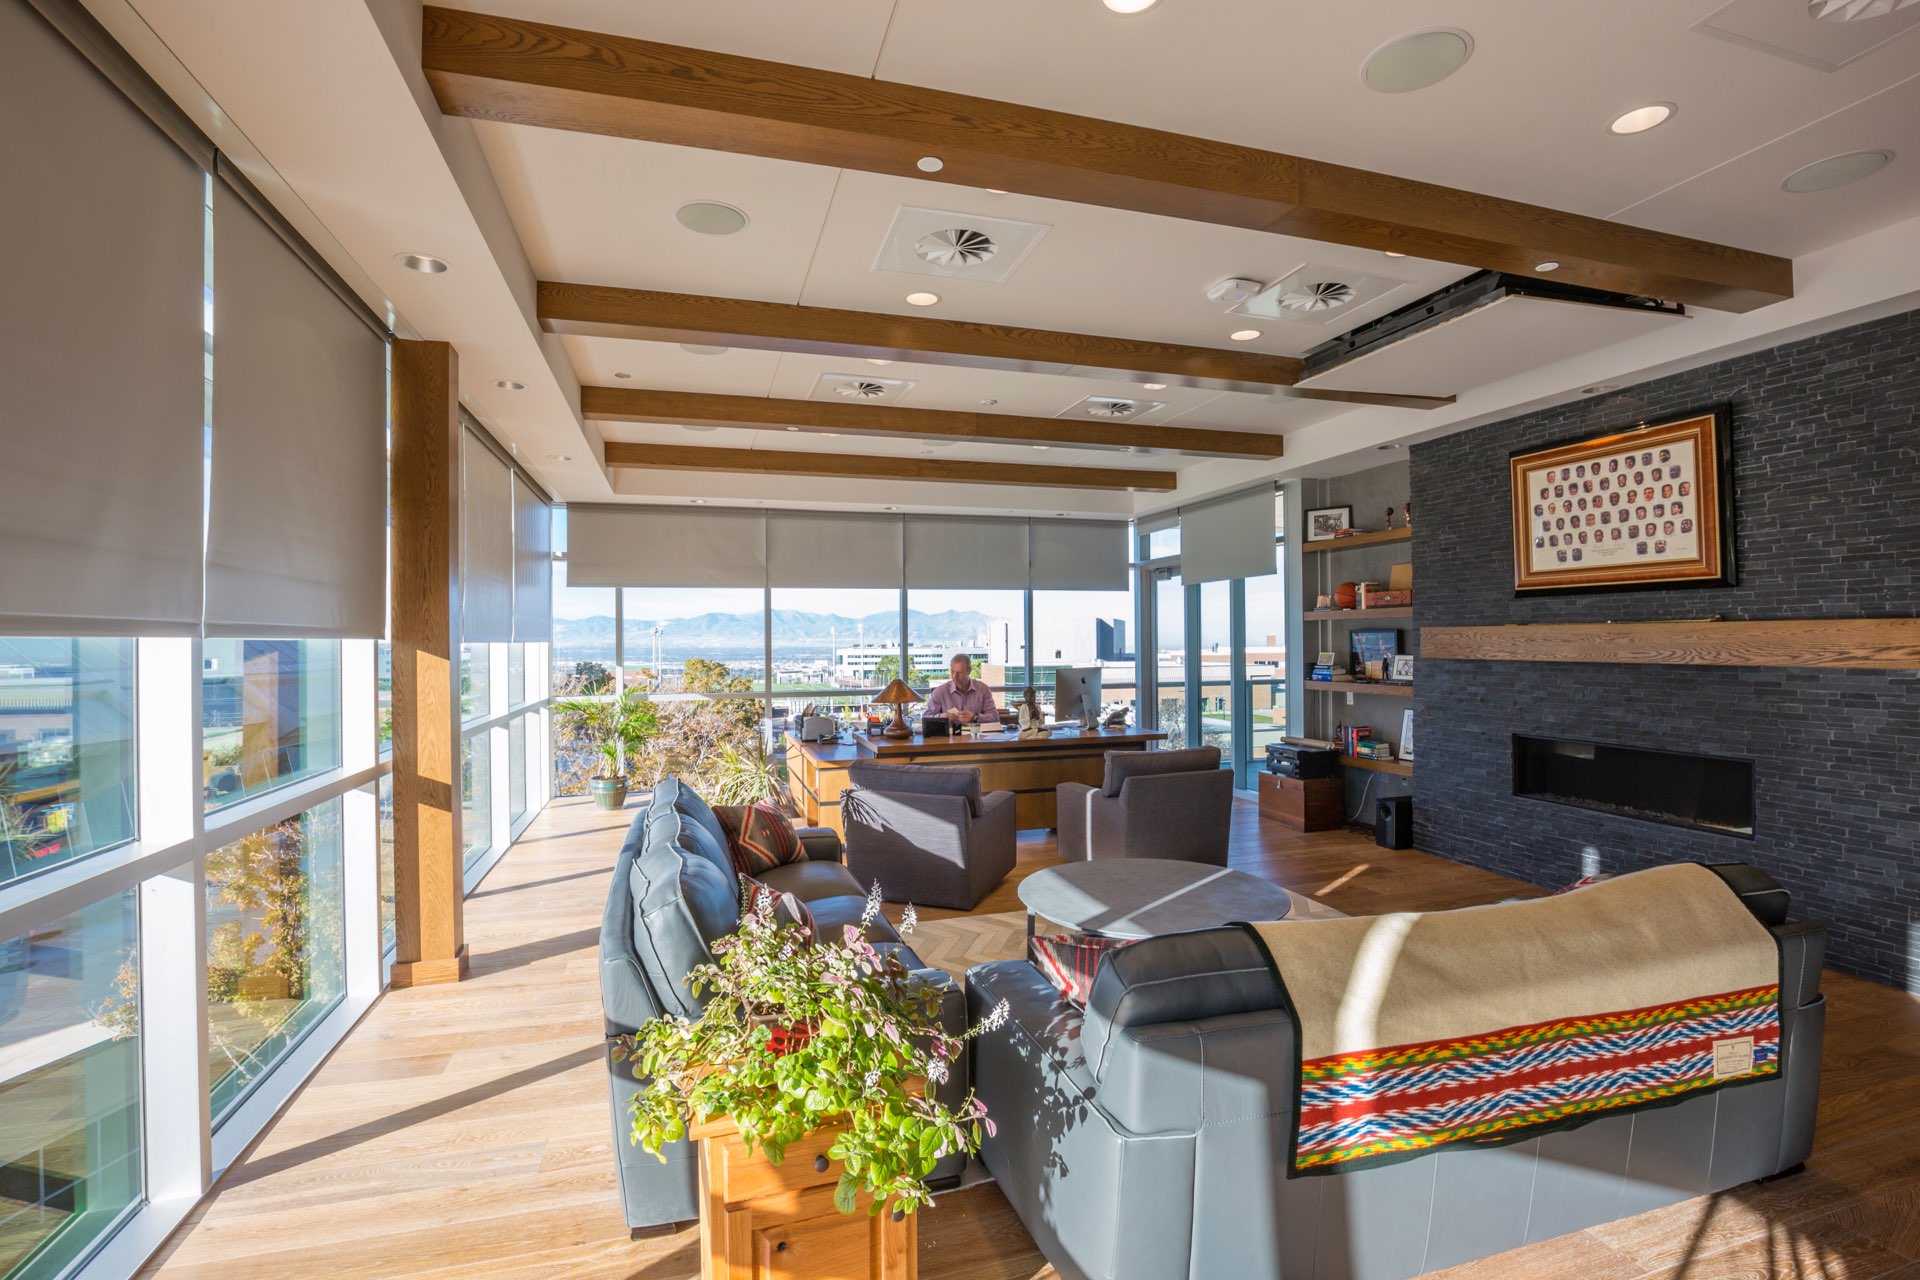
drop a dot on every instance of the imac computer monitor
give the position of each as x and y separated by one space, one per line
1076 693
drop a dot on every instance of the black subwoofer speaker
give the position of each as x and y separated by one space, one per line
1393 823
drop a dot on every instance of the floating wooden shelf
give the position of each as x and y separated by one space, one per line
1357 615
1880 644
1400 768
1384 687
1373 539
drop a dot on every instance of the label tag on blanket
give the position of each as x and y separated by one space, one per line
1732 1057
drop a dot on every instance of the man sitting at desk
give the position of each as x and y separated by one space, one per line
963 699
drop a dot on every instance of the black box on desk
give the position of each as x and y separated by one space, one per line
1290 761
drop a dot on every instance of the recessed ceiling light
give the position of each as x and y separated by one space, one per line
698 502
507 384
699 349
1599 387
1244 335
1154 386
793 428
710 218
871 360
1416 61
1836 171
559 457
893 508
1129 6
1043 447
1385 448
1548 265
831 435
1391 254
995 191
623 375
424 263
923 299
989 403
1641 119
929 164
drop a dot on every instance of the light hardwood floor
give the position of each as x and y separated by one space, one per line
463 1130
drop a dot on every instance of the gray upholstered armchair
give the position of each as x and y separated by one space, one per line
926 833
1151 804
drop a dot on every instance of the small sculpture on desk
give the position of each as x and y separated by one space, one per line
1027 716
1116 719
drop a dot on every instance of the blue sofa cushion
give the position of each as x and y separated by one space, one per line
682 903
684 800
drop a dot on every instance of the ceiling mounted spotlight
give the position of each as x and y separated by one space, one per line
1417 61
506 384
1836 171
929 164
1244 335
1129 6
1854 10
995 191
710 218
922 299
1641 119
1548 265
871 360
1391 254
425 263
1154 386
701 349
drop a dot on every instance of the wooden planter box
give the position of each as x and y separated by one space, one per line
766 1221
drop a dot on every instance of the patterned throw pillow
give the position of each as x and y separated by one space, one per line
760 836
1071 960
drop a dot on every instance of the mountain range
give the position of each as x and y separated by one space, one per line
743 630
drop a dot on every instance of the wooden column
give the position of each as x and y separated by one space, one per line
428 905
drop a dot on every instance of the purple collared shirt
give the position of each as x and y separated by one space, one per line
977 699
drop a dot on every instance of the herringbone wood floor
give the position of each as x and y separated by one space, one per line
462 1131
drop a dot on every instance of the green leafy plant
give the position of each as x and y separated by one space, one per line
615 727
736 776
801 1034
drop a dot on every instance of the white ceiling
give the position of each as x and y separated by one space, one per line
331 98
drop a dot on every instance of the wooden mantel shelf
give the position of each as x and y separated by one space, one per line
1876 644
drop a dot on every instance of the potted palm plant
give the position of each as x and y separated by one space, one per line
615 728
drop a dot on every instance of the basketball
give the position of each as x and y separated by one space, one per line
1346 596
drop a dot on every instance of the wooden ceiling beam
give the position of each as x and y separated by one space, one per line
601 311
686 408
532 73
781 462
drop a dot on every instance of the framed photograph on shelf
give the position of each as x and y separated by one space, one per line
1369 645
1403 667
1647 507
1327 523
1406 734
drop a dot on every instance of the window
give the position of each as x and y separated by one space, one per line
476 797
271 710
1170 655
1086 629
988 626
1215 654
676 637
475 689
275 961
833 647
1265 638
66 751
1163 542
516 769
383 801
70 1128
383 694
582 649
516 674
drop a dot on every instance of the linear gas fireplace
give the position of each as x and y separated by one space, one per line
1708 793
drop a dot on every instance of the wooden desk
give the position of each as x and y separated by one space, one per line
1029 767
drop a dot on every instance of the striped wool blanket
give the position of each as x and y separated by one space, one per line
1493 1024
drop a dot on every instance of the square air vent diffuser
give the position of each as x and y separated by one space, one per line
957 246
1789 29
860 388
1111 409
1317 296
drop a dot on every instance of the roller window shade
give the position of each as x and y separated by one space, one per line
486 543
1079 555
832 549
297 520
1230 537
966 552
532 565
665 547
101 344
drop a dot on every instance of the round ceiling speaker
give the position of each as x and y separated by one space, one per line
956 247
1836 171
1322 296
710 218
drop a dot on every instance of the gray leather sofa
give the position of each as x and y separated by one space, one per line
1150 804
1147 1138
673 893
926 832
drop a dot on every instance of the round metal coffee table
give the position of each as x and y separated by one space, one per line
1143 897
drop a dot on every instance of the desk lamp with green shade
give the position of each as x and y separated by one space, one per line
900 695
